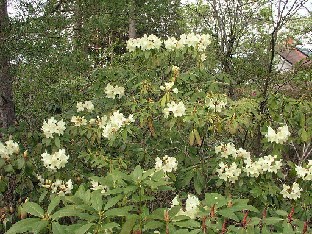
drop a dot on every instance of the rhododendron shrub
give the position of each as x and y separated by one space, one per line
159 148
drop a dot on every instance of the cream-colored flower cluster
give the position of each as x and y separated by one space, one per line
262 165
305 172
114 123
56 160
96 186
228 173
112 92
78 120
177 109
167 164
280 136
168 86
229 149
216 104
191 206
197 41
59 187
144 43
293 192
53 126
88 105
9 148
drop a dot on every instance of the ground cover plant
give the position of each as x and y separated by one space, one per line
158 146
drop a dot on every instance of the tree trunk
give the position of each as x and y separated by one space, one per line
6 95
132 28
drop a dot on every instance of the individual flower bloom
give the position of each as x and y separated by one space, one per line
175 90
92 121
167 164
203 57
158 164
216 104
131 44
226 150
168 85
110 91
170 43
89 106
48 128
60 127
228 173
179 110
293 192
12 147
80 106
301 172
280 136
192 206
109 130
101 121
242 153
166 112
97 186
120 91
175 69
56 160
117 119
4 153
175 201
78 121
192 40
130 119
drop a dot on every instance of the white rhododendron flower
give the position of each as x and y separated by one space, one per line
203 57
167 164
112 92
97 186
226 150
196 41
78 121
177 109
170 43
80 106
56 160
9 148
262 165
305 172
59 187
191 206
293 192
280 137
116 121
167 87
228 173
216 104
53 126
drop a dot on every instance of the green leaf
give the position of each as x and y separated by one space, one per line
57 142
112 201
129 224
38 227
57 228
33 209
153 225
123 211
23 225
188 224
84 228
96 200
53 204
281 213
228 214
20 163
65 212
272 220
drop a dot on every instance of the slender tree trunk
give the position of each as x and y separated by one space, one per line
6 95
132 27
